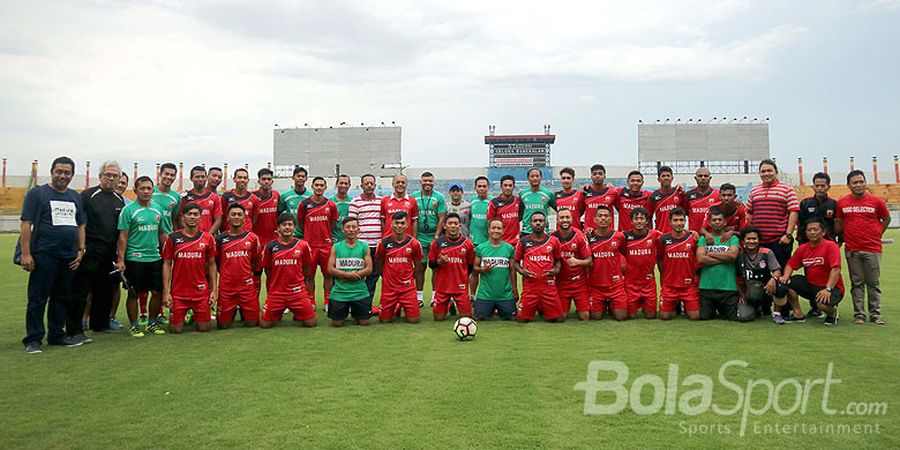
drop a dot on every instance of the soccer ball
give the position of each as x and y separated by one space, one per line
465 328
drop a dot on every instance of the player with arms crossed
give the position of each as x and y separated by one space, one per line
576 256
238 253
398 255
451 257
316 216
349 264
606 280
189 272
284 261
678 268
497 286
537 259
641 256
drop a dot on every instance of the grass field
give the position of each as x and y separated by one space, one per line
405 386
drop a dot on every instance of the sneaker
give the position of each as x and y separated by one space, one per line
859 321
831 320
791 319
778 319
813 313
155 329
162 320
189 317
136 332
212 312
325 308
879 321
67 342
32 348
114 325
143 321
81 337
422 303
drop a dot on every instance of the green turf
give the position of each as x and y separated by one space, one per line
403 386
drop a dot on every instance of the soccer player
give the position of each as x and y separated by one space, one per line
461 207
290 199
819 205
366 208
758 277
718 285
138 257
450 258
349 264
497 286
569 198
664 199
316 215
507 208
264 223
576 257
641 250
168 200
598 193
535 198
214 178
189 271
736 216
678 268
478 227
821 280
284 261
698 200
632 198
399 201
607 272
238 253
538 260
342 203
207 199
398 255
241 195
432 210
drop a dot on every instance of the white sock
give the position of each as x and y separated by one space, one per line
419 295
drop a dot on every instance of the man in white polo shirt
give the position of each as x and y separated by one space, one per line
366 208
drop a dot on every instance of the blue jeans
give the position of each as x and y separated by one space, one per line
51 280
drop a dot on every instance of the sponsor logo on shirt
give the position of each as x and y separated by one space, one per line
813 262
350 263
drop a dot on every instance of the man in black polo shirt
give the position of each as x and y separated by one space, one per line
824 207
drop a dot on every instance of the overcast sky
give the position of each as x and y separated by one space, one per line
199 81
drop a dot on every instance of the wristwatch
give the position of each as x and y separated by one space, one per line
829 289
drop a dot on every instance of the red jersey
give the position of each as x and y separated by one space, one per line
237 258
265 223
510 213
817 262
628 202
538 257
594 198
697 206
248 201
575 246
398 259
641 256
452 277
573 201
862 221
392 204
606 270
210 207
284 264
679 266
660 205
317 220
735 221
189 256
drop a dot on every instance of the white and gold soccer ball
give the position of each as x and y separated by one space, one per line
465 328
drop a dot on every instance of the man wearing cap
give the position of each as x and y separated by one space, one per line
461 207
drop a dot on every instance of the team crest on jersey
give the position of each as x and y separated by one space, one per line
247 244
157 217
548 248
712 200
296 252
688 246
615 244
574 246
607 199
829 213
762 264
210 203
202 246
408 250
675 199
463 251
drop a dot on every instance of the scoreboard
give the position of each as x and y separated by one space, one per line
519 150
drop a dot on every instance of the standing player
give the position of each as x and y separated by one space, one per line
316 216
209 202
478 227
598 193
664 199
576 257
736 216
451 257
168 200
698 200
819 205
432 210
398 255
535 198
189 272
241 195
214 179
641 250
396 202
265 224
238 253
632 198
284 261
366 208
461 207
342 203
678 269
569 198
497 286
349 264
607 277
537 259
508 208
290 199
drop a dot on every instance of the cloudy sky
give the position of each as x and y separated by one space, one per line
207 80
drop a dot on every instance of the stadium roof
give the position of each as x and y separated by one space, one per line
518 138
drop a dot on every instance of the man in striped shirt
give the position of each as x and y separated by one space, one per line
366 208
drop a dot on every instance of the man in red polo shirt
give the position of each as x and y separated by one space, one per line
537 259
607 273
571 282
508 209
821 281
678 269
598 193
241 195
398 255
284 260
316 216
632 198
664 199
698 200
399 201
451 257
570 198
641 250
210 203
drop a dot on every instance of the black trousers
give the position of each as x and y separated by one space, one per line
50 281
92 278
372 279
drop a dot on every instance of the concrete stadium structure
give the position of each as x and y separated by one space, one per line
331 151
725 148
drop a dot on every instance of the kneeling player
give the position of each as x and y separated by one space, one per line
758 284
397 255
189 272
641 244
576 255
284 260
537 259
238 254
497 289
607 279
678 269
349 264
450 257
821 281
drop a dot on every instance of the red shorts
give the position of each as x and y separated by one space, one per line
299 304
544 298
229 302
643 302
392 301
668 300
614 296
578 293
181 306
257 283
442 303
318 257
